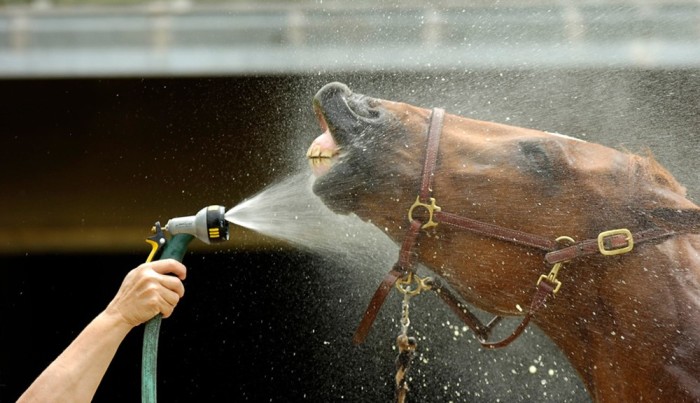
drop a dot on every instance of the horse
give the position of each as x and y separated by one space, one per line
602 245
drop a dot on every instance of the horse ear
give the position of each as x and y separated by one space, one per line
683 220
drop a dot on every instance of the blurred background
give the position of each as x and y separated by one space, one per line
117 114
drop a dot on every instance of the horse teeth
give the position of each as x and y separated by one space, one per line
315 151
320 161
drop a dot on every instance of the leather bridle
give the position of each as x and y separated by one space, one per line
556 252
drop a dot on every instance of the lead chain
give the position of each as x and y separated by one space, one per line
407 348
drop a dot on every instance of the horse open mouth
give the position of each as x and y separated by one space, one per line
345 119
323 152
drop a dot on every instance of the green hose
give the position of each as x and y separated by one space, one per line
174 249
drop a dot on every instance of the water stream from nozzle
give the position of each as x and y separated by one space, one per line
288 210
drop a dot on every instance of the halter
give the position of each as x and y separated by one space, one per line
612 242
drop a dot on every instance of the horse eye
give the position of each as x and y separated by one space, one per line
536 158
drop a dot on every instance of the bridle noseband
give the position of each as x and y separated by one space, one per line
613 242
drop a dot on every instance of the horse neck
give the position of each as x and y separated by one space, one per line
628 320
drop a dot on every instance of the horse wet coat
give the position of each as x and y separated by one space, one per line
629 323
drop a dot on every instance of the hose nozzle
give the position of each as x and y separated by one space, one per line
209 225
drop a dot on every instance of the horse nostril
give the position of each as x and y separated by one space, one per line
332 90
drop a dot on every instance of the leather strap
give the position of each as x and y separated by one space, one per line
590 246
495 231
544 290
403 265
374 305
483 332
462 311
433 143
405 262
555 253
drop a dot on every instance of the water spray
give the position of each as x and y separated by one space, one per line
209 225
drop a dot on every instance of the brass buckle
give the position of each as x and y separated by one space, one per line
552 276
609 252
431 209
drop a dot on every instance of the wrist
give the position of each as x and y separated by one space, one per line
113 319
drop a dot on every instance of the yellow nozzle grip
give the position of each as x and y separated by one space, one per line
154 249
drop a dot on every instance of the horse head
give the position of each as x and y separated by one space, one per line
369 161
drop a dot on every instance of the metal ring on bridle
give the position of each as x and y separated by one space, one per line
412 284
431 209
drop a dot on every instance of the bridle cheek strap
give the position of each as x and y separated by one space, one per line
406 261
400 269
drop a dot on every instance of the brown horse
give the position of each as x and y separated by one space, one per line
627 314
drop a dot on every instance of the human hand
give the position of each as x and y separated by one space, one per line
148 290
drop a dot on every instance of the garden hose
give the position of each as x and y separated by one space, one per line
208 225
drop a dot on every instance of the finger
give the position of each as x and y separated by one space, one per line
170 266
173 284
169 299
167 310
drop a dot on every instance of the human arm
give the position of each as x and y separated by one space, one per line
76 373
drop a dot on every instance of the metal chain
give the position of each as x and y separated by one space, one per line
407 345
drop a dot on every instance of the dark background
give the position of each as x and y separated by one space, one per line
88 165
265 326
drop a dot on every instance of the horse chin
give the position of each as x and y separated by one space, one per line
337 199
345 182
321 166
